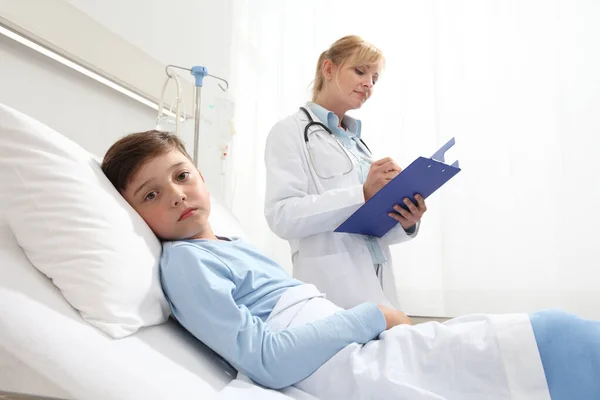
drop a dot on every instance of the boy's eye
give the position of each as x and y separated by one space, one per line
150 196
358 71
183 176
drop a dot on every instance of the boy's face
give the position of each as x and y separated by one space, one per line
169 193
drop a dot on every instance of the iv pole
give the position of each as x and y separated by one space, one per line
199 72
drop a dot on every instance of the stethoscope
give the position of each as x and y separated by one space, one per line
312 123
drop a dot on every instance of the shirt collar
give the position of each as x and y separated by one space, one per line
327 117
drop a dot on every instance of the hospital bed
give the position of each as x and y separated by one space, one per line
47 349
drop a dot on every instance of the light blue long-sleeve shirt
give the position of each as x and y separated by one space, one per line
223 291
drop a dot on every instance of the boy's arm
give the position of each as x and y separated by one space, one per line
201 294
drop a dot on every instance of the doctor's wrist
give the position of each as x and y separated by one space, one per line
411 230
365 195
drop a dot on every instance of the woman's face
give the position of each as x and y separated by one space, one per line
351 86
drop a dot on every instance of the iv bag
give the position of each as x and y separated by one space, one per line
224 108
166 123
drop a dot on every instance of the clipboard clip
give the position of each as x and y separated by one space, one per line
440 154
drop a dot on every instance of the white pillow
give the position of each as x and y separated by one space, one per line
77 229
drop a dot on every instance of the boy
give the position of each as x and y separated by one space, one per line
281 332
222 290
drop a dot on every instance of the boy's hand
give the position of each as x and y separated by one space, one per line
394 317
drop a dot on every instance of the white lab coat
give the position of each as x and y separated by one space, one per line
305 209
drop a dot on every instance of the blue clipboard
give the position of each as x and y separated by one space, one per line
424 176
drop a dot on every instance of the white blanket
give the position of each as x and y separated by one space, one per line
493 357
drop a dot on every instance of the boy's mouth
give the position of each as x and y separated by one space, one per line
188 212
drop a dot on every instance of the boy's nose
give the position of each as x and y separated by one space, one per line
178 198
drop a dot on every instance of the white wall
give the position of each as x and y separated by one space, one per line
82 109
184 32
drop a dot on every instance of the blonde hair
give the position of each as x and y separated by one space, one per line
352 50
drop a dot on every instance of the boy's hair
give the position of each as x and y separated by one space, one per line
127 155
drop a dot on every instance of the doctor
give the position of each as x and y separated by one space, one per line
319 171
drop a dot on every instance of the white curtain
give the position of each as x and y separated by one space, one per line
516 82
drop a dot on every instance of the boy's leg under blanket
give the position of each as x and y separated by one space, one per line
479 357
570 350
